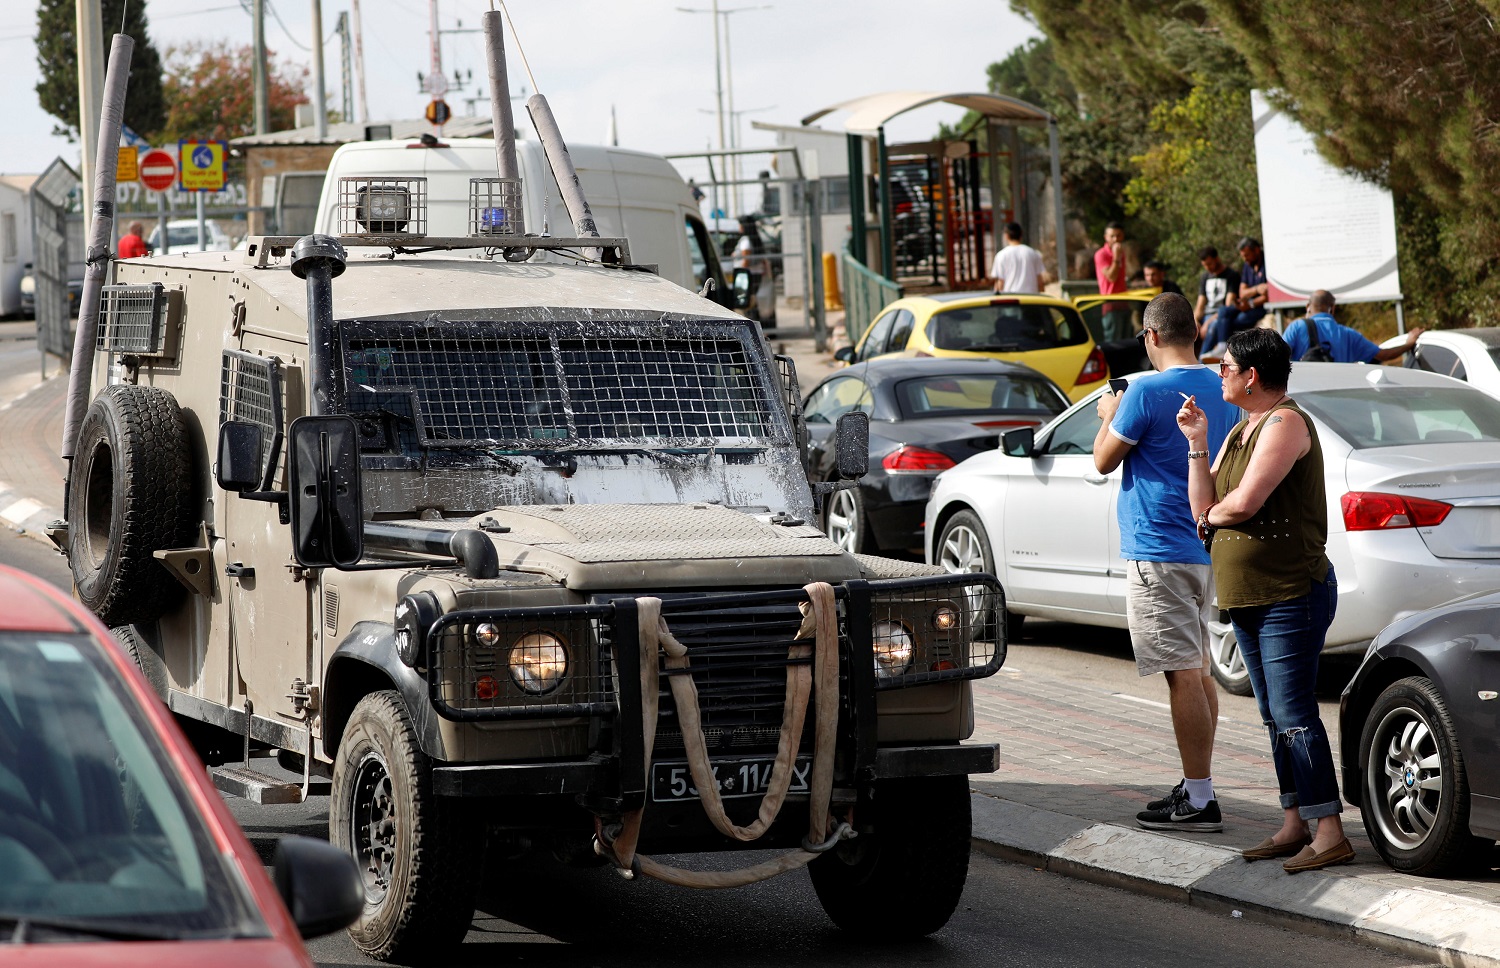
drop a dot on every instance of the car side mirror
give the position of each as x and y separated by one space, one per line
319 884
327 510
744 286
844 354
1020 442
851 445
239 467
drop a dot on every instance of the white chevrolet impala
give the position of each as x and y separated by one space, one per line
1412 464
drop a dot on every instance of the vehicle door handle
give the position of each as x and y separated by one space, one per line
1096 478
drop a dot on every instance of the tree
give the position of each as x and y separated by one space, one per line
57 58
210 92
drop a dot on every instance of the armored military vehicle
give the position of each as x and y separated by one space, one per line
499 551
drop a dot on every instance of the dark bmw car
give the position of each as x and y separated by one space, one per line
1419 727
926 415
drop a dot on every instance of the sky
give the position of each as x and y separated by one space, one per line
644 59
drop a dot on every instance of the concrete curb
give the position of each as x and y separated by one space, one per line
1410 921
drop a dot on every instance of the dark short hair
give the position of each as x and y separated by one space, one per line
1207 252
1115 225
1013 230
1321 301
1264 351
1172 318
1156 264
1248 242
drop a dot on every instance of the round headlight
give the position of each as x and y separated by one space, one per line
944 618
538 662
893 646
487 635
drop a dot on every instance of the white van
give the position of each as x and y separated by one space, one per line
633 194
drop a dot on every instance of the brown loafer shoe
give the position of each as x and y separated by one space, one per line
1266 849
1340 853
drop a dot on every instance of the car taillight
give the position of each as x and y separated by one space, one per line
1094 368
1373 511
916 460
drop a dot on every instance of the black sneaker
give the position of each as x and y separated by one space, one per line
1178 792
1182 815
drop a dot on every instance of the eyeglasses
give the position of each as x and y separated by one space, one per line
1142 334
1224 368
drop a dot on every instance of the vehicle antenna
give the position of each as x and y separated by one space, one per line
519 49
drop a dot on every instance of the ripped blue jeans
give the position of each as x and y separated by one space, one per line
1281 644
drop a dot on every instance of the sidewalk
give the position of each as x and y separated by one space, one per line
1076 764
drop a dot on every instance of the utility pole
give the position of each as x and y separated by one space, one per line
359 64
90 96
262 96
346 87
724 71
320 94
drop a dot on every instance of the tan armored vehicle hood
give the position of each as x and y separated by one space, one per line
594 547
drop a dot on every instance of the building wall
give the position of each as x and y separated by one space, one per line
262 161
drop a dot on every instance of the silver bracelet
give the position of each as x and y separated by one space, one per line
1197 453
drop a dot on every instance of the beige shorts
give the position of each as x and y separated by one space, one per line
1168 606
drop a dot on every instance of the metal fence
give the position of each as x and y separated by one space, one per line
865 294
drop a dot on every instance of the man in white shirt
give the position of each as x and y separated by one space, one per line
1018 267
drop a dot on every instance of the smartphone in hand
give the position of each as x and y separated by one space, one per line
1118 384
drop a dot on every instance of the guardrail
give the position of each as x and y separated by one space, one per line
865 294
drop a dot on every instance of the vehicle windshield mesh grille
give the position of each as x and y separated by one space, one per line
466 386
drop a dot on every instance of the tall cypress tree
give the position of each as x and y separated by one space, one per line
57 58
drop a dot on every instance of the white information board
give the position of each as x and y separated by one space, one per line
1324 229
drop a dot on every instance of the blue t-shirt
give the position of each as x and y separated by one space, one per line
1156 520
1347 345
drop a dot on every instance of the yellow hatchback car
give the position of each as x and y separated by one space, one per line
1045 333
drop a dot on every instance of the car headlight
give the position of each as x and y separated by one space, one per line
538 662
893 647
28 286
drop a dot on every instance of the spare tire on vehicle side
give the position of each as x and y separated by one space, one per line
130 494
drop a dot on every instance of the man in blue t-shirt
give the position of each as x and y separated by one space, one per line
1169 590
1345 345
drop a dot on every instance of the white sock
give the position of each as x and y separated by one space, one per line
1199 792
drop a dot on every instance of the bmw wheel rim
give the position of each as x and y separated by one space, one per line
1404 778
843 520
1224 652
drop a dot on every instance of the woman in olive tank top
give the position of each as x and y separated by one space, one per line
1261 513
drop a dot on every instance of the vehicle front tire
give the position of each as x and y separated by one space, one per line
1226 661
130 496
1416 789
964 549
904 879
845 523
418 854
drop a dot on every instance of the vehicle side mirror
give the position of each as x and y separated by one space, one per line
851 445
844 354
744 287
327 510
1020 442
238 469
319 884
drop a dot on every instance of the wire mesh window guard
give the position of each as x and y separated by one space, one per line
250 392
383 206
132 319
462 384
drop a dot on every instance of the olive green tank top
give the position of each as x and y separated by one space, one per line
1276 554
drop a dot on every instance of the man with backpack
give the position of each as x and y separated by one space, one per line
1329 341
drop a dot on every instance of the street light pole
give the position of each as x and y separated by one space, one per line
724 78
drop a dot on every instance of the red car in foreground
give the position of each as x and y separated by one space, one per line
114 847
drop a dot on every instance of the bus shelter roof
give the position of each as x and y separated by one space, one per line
869 113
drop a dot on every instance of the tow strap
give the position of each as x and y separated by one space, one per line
820 680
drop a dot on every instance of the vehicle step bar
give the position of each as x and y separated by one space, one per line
260 787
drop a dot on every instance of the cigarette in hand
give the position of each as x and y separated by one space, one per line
1184 396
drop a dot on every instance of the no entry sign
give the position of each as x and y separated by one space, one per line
158 170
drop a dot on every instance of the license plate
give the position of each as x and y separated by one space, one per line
736 778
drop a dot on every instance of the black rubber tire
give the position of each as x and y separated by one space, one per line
425 905
1393 735
904 879
145 657
961 560
130 495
